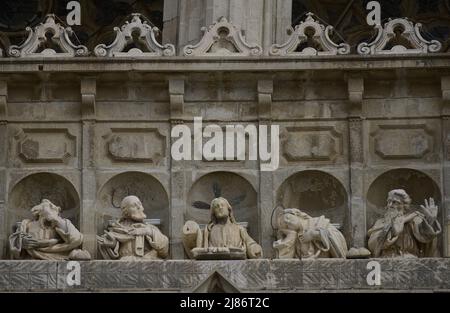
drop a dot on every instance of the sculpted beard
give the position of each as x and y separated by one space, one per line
136 215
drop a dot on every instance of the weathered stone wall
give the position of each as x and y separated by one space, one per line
351 127
425 275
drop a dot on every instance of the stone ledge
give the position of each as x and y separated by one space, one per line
234 64
327 275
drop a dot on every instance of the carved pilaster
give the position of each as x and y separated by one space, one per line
3 158
176 92
356 158
88 187
355 94
88 94
266 194
265 91
177 172
3 100
445 118
445 87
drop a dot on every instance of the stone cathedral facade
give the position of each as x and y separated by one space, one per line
86 115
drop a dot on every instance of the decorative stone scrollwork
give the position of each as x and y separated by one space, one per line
140 36
48 39
222 38
399 35
310 38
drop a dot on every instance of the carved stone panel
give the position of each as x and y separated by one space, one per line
402 141
321 143
142 145
41 145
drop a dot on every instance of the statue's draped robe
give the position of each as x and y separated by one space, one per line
67 241
130 247
418 238
330 244
229 235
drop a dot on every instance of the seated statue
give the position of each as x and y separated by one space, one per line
222 238
47 237
130 238
305 237
402 233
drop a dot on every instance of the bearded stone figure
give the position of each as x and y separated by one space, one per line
47 236
130 238
305 237
402 233
222 238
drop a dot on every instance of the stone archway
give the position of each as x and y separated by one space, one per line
32 189
147 188
236 189
316 193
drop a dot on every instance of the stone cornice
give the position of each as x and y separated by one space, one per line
217 64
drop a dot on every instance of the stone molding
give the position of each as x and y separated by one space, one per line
226 38
412 275
125 36
49 32
301 34
411 34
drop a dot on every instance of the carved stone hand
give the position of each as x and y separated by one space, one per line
141 232
255 251
430 209
29 242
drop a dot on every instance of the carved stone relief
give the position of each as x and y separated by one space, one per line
41 145
239 192
147 188
316 193
399 35
130 238
136 38
222 237
403 141
48 39
300 235
416 184
403 231
310 37
311 144
223 39
143 145
47 236
31 190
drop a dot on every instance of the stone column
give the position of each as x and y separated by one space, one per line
3 160
268 25
445 118
245 14
356 159
266 192
177 173
283 20
88 182
170 21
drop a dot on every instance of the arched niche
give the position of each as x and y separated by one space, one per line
31 190
146 187
418 185
316 193
233 187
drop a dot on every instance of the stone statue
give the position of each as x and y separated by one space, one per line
130 238
302 236
402 233
222 238
47 237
